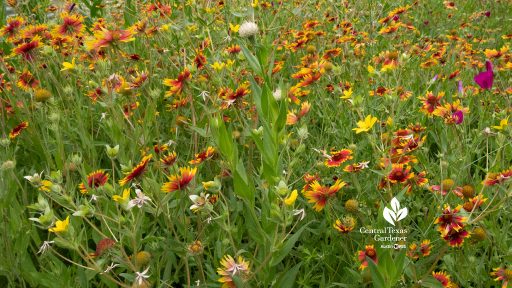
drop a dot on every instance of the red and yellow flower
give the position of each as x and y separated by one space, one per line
137 171
230 268
176 85
72 25
16 131
345 225
104 38
370 252
319 194
502 274
95 179
203 156
451 220
497 178
338 157
400 173
179 181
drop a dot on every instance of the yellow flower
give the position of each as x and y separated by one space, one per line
503 124
234 28
291 199
371 70
254 4
124 198
68 66
347 94
366 125
60 226
218 66
46 185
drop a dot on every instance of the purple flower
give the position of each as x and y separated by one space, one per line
458 117
461 88
485 79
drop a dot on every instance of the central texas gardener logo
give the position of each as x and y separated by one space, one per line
394 214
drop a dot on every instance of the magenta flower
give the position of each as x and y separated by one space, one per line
458 117
485 79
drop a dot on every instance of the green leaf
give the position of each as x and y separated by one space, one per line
431 282
286 247
377 278
253 61
287 278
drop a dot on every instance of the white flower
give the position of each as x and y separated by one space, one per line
109 268
364 165
138 201
204 95
277 94
248 29
45 246
141 276
199 201
301 213
36 178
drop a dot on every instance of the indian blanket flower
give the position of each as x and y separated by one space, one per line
430 102
229 96
443 278
72 25
11 29
319 194
60 226
136 171
497 178
502 274
95 179
345 225
16 131
474 203
456 238
229 268
451 220
486 78
356 167
169 159
399 173
26 81
176 85
415 251
179 181
203 156
104 38
370 252
338 157
452 113
366 124
27 49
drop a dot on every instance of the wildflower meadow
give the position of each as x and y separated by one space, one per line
252 143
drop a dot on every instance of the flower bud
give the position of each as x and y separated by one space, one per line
112 152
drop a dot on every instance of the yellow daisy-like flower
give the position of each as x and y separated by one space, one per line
60 226
123 198
234 28
68 66
366 124
503 124
291 199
